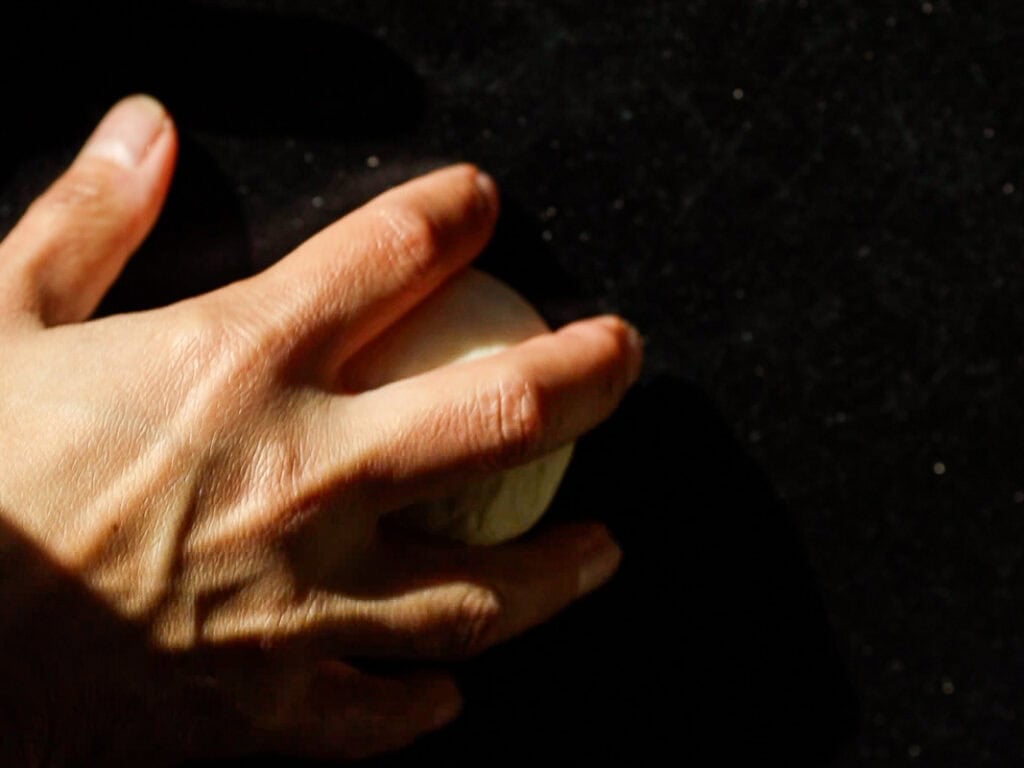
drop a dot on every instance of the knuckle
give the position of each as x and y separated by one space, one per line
513 416
72 193
199 341
221 370
411 240
233 336
278 467
81 190
469 624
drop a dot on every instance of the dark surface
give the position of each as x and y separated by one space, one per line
812 210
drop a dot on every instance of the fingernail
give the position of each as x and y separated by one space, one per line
636 351
602 560
488 189
127 132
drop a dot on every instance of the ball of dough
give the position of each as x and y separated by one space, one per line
471 316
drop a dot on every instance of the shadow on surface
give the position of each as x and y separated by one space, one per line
710 645
199 243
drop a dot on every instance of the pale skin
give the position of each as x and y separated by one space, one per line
202 476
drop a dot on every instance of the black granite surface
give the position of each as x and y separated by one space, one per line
813 210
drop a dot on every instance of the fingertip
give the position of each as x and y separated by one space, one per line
636 347
144 102
128 132
447 701
600 557
628 339
615 345
467 181
488 188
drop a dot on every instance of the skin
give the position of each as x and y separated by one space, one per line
193 556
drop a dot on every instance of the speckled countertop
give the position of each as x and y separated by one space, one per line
814 212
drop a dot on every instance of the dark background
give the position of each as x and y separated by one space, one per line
813 211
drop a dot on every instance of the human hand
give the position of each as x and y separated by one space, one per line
201 471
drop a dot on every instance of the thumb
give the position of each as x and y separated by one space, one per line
73 241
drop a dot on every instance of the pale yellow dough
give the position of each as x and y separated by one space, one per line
471 316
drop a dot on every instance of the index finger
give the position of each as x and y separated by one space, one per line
355 278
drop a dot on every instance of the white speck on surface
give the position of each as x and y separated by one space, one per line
989 133
548 213
939 468
546 236
1009 188
618 203
927 8
914 751
318 202
308 157
737 93
948 688
626 115
373 162
746 336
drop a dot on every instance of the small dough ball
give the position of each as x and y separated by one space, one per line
471 316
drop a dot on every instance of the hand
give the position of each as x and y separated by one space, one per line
199 471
